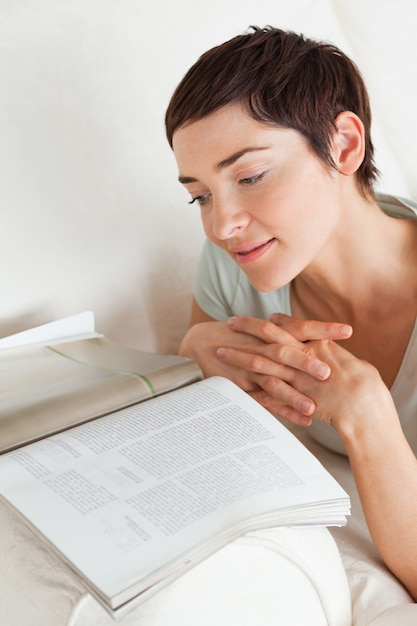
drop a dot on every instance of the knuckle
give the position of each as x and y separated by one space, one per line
280 353
256 363
268 329
307 354
328 343
273 385
291 397
279 390
307 326
304 328
319 345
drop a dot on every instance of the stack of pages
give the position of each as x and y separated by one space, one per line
134 469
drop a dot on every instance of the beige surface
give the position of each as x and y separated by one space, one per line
268 577
376 593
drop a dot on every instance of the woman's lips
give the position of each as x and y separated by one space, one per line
248 255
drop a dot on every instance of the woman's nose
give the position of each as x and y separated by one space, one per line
228 219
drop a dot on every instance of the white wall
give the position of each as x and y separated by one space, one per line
92 216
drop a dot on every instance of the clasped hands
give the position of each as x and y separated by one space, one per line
295 368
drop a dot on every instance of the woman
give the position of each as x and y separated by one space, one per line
307 291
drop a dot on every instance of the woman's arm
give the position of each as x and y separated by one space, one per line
360 407
385 470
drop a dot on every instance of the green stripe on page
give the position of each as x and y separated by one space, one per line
140 376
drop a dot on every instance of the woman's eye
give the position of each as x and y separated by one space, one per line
200 200
252 180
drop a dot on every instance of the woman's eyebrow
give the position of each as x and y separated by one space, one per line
225 162
237 155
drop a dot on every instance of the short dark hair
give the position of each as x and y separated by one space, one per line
283 79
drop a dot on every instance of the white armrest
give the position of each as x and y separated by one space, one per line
269 577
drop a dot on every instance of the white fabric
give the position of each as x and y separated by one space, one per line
377 596
273 576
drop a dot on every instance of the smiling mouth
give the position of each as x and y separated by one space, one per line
244 256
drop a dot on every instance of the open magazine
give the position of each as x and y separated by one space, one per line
64 373
134 498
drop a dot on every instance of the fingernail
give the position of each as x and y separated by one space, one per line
232 320
221 352
305 421
345 330
306 406
323 371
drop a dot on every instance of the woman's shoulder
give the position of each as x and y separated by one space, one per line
397 206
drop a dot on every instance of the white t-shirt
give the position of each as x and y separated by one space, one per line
222 290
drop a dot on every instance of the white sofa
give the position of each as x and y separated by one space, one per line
94 219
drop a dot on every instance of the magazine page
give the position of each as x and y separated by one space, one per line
160 372
132 499
45 389
79 326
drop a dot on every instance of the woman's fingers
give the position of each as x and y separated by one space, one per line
309 330
276 360
271 377
264 330
281 328
282 410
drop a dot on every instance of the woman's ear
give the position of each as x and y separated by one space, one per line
348 143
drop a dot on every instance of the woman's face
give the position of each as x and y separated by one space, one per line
264 197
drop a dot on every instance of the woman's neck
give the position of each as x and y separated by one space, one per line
366 267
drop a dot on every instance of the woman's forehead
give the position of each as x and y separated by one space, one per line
230 128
